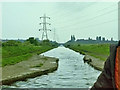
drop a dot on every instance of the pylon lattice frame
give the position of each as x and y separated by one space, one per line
44 27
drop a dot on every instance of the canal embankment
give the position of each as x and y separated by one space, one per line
95 54
94 62
35 66
22 60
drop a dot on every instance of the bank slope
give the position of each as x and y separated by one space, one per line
95 54
35 66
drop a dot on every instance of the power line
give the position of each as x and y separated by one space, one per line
95 24
93 18
83 16
100 15
99 23
106 8
44 28
68 11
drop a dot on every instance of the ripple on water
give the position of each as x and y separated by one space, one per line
72 72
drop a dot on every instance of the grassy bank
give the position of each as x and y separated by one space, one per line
100 51
17 52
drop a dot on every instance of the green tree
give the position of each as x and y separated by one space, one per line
33 41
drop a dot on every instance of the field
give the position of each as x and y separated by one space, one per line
100 51
22 51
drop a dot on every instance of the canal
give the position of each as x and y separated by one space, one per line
72 72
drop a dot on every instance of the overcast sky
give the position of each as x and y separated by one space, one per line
82 19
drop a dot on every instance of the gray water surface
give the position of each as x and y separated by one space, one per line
72 72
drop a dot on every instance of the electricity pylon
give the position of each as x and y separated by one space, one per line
44 27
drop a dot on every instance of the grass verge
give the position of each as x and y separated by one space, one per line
15 54
100 51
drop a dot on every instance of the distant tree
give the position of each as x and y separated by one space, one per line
46 40
54 44
68 45
33 41
72 38
78 44
97 38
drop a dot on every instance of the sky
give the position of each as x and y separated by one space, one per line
20 20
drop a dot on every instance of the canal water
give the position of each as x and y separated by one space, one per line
72 72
